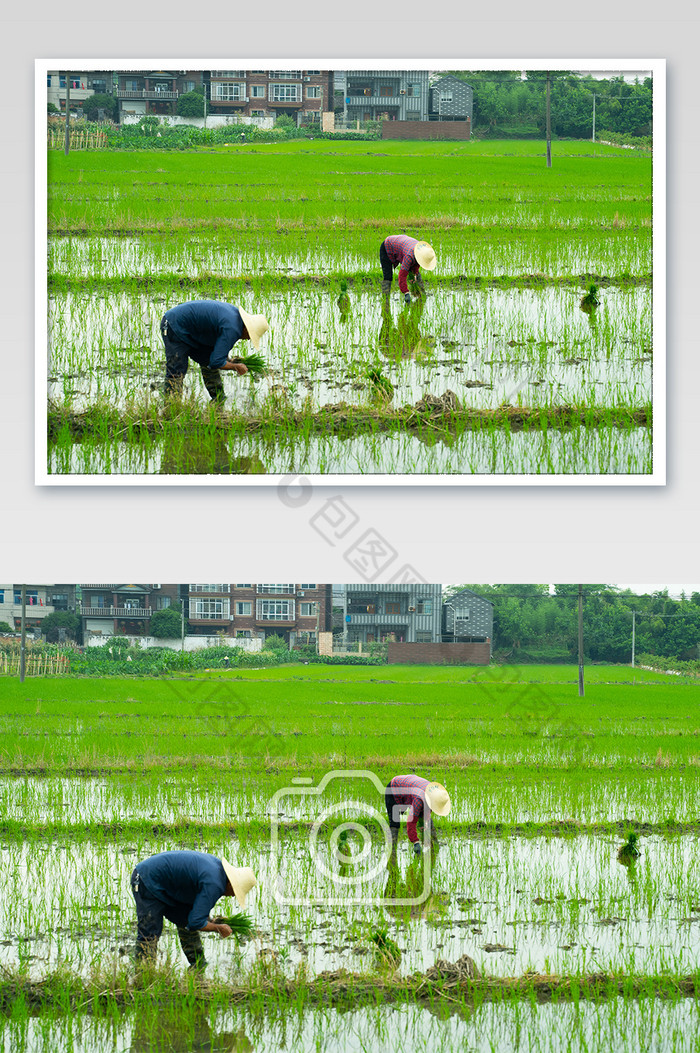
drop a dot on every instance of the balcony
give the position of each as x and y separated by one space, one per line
380 619
374 100
150 93
114 612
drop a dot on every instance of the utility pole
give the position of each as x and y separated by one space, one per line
580 642
593 116
634 618
23 636
66 146
549 128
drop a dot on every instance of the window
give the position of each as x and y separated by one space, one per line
424 637
209 588
276 589
445 96
313 92
244 633
393 608
244 609
189 85
164 602
284 92
228 73
314 72
424 606
244 586
275 610
308 586
288 74
229 92
257 91
209 609
413 91
2 595
257 113
99 86
32 596
133 85
96 601
308 610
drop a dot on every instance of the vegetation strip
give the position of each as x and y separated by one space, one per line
342 420
341 988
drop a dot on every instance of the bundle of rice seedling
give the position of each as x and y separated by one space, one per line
387 952
241 925
255 363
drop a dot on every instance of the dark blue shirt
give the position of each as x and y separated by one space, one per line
209 327
185 879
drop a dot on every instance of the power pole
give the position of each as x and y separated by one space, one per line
593 116
549 128
66 146
23 636
634 618
580 642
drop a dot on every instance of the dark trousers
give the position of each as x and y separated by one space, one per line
177 358
149 918
394 809
387 265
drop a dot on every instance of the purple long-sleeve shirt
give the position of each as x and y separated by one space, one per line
399 249
410 790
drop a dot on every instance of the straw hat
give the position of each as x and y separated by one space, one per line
438 798
256 324
425 257
241 879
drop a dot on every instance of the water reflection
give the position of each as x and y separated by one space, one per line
187 1034
183 456
402 339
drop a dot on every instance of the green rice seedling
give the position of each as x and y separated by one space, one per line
387 952
241 925
628 852
254 363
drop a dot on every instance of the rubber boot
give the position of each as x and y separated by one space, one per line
173 387
214 384
386 286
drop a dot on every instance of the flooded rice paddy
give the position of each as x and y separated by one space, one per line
562 905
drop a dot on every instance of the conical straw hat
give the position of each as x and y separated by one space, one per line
425 257
241 879
256 324
438 798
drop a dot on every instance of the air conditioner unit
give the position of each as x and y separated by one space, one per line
299 594
368 91
156 586
402 91
411 610
307 80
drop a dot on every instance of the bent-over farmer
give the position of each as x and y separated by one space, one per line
420 797
205 331
409 255
183 886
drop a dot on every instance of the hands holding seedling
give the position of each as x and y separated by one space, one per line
238 367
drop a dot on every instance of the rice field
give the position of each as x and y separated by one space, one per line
498 372
570 944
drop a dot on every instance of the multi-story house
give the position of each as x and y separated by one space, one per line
451 99
122 610
301 94
82 86
467 618
142 92
394 95
400 613
295 612
40 600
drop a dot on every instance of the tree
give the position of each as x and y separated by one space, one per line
60 620
5 627
191 104
167 624
276 643
98 101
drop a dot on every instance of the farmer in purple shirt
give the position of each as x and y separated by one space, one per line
420 797
183 886
409 255
205 331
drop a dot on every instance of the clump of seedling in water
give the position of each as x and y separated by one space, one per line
590 300
387 953
629 852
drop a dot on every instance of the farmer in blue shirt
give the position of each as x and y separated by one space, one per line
183 886
205 331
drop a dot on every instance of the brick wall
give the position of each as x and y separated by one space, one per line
426 129
439 653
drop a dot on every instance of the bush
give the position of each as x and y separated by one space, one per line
275 643
60 620
191 104
167 624
96 102
5 627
